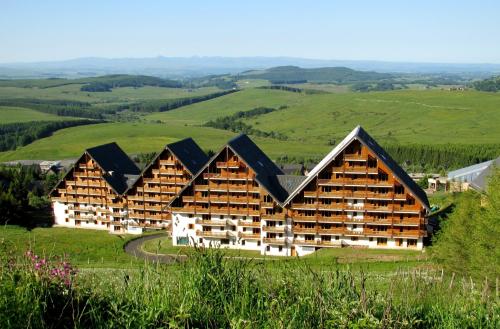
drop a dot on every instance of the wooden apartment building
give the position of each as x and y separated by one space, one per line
356 196
106 190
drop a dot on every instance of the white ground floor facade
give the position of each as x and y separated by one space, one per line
275 238
90 216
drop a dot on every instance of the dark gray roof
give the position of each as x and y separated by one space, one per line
481 181
290 182
189 154
366 139
120 170
265 169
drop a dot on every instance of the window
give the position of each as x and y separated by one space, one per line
280 248
354 238
243 242
411 243
258 243
191 226
190 215
381 241
268 248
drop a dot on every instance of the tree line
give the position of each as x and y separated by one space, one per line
13 135
107 83
491 85
294 89
24 195
233 123
424 158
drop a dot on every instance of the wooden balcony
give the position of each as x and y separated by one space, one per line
332 231
372 232
304 218
373 207
198 187
333 206
245 223
407 221
277 229
409 233
168 162
211 222
307 206
249 235
298 229
377 221
135 197
400 196
229 164
407 209
355 157
221 176
331 219
356 169
330 243
86 166
275 241
306 242
213 234
280 217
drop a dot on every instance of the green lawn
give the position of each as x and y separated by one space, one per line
369 259
10 114
86 248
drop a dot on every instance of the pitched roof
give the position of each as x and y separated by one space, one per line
265 169
189 154
119 170
361 135
186 151
481 181
467 174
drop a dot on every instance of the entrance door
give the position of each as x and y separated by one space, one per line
294 252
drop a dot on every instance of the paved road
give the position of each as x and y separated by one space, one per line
134 248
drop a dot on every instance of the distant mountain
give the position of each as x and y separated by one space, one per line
294 74
175 67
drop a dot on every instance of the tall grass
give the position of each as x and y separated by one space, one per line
211 291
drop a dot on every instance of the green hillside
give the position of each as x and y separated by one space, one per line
10 114
406 116
284 74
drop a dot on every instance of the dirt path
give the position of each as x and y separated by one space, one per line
133 248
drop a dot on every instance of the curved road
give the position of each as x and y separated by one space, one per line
133 248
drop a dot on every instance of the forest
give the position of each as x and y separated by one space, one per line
14 135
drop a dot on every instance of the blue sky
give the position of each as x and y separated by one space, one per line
420 31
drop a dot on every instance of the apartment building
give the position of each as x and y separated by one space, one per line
356 196
105 189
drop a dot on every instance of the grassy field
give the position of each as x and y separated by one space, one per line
117 95
19 114
141 137
406 116
310 122
86 248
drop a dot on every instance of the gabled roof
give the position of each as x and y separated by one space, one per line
265 169
186 151
361 135
119 170
481 181
189 154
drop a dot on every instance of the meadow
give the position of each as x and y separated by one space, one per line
310 122
10 114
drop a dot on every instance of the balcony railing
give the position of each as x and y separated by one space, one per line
245 223
304 218
249 236
213 234
334 230
298 229
276 241
228 164
277 229
306 242
331 219
211 222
